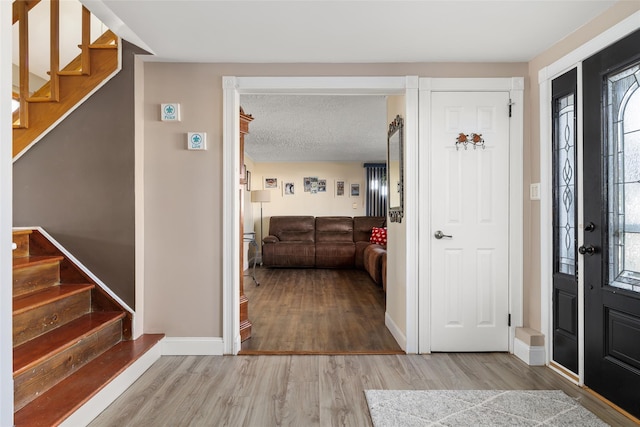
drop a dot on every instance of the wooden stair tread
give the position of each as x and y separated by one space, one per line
48 295
50 410
40 348
21 232
30 261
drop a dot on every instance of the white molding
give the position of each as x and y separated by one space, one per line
546 217
80 266
230 215
580 225
515 87
322 85
516 209
572 60
232 88
75 107
531 355
6 215
140 243
412 215
192 346
424 274
105 397
400 338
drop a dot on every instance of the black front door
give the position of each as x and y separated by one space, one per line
611 251
565 280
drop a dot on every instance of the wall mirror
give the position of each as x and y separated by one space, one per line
395 169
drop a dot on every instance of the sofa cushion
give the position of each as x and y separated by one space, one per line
289 254
334 229
293 228
362 226
335 255
373 262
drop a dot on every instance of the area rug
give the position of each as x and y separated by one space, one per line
476 408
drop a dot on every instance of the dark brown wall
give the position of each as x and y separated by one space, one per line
78 182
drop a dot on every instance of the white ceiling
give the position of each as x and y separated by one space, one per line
289 128
346 31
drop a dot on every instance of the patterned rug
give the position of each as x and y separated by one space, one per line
476 408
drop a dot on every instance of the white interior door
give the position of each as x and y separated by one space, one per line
470 202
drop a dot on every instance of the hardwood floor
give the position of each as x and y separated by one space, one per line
316 311
314 390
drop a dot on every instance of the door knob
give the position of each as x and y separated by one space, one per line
439 235
587 250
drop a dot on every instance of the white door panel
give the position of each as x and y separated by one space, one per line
470 202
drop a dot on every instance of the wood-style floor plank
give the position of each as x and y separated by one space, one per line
317 311
315 390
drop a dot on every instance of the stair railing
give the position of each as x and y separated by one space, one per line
50 90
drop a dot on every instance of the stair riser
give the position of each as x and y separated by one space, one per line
32 278
49 372
22 240
38 321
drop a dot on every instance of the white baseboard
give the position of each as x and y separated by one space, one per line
401 339
531 355
113 390
192 346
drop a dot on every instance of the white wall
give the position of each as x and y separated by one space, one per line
305 203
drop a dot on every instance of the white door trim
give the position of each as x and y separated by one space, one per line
6 218
232 88
515 86
545 76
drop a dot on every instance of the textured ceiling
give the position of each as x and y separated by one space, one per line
298 128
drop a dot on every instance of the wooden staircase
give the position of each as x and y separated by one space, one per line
70 338
41 110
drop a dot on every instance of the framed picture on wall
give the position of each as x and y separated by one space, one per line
271 183
355 190
289 189
322 186
248 180
339 187
310 184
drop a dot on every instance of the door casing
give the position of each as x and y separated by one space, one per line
232 88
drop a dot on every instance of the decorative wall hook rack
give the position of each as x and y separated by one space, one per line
474 139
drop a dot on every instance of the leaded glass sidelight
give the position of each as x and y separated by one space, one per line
564 163
623 150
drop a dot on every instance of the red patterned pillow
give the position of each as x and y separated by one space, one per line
379 236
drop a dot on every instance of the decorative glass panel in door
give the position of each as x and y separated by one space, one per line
623 142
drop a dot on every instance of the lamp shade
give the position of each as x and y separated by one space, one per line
260 196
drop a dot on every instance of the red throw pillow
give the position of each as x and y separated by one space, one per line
379 236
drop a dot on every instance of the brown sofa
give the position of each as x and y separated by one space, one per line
324 242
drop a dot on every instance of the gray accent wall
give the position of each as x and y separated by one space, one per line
78 182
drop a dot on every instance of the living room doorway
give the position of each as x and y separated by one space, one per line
401 312
308 153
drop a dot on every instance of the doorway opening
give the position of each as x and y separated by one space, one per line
401 306
308 152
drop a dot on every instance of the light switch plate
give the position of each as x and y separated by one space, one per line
534 191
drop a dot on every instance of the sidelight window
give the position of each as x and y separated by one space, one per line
623 150
564 164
